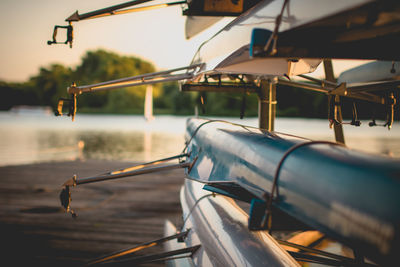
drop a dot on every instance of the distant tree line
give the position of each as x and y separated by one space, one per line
45 88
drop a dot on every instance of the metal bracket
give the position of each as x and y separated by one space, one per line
70 35
340 90
390 103
65 198
71 107
257 214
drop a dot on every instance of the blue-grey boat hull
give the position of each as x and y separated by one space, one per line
351 196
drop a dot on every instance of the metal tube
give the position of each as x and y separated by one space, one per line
105 10
315 251
337 127
124 80
326 90
321 82
215 87
138 9
306 86
140 79
131 173
267 105
142 76
155 162
373 86
134 249
111 86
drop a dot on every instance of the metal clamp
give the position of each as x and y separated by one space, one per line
71 107
70 35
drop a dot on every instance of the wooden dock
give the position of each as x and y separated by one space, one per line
112 215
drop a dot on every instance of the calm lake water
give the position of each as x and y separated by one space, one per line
30 138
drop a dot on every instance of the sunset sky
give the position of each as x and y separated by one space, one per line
156 35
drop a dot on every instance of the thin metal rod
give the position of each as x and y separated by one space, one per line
155 162
110 9
373 86
307 86
325 261
321 82
176 77
314 259
148 78
137 9
134 249
223 87
131 173
337 127
316 251
156 257
365 96
327 90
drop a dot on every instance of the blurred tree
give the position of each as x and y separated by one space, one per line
51 84
100 65
296 102
229 104
172 100
13 94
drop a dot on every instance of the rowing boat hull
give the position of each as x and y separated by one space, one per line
309 30
228 52
220 227
351 196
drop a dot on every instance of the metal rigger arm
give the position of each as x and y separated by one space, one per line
108 11
183 73
149 167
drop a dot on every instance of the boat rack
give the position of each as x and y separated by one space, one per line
361 91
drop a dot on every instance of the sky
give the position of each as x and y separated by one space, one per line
156 35
26 26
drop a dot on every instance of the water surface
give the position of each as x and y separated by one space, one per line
31 138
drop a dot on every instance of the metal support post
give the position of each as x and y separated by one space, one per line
337 127
267 104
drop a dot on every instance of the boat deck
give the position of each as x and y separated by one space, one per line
112 215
